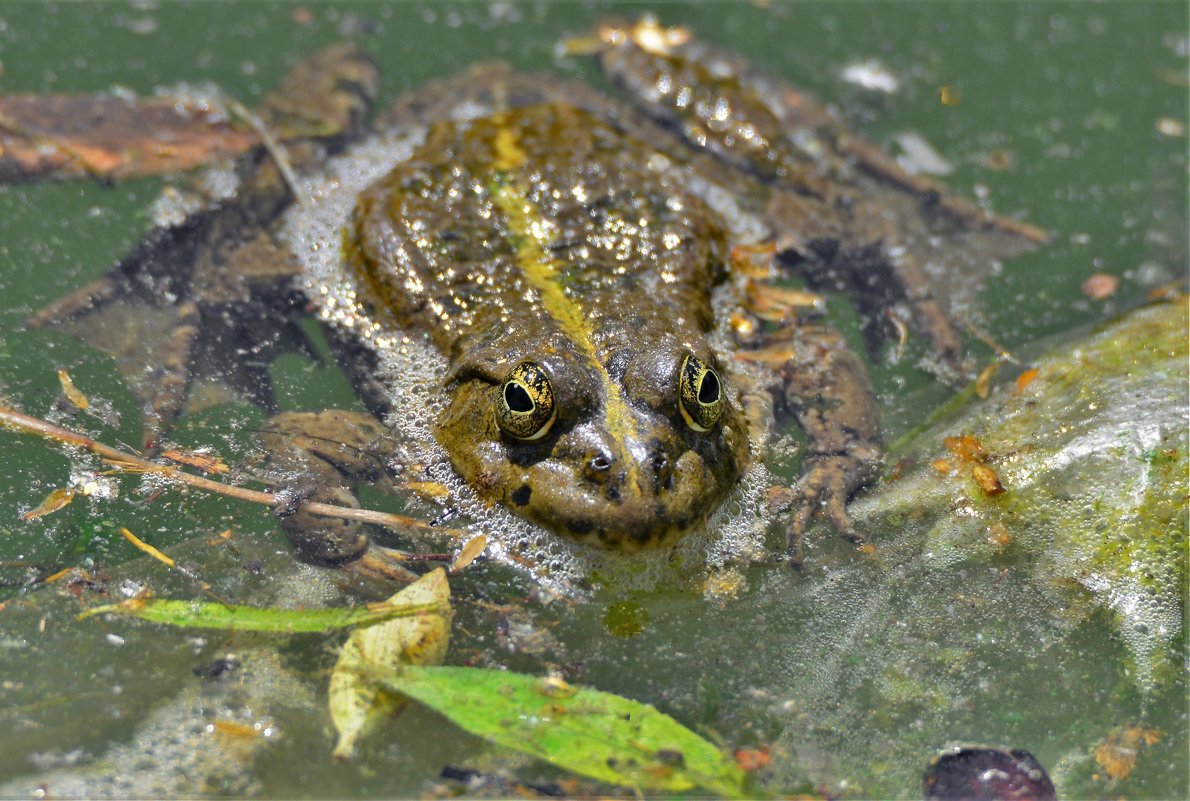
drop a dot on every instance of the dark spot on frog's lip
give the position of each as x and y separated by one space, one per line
643 535
581 527
520 496
613 493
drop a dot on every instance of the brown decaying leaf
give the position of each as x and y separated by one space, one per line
52 503
77 136
1117 753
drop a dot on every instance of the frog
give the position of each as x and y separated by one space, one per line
596 276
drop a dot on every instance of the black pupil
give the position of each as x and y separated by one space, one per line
517 398
708 391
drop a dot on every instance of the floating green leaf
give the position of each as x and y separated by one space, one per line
357 702
198 614
588 732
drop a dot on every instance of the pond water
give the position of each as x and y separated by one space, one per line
1072 116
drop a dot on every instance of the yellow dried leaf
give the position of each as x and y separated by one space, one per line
357 703
430 490
984 381
72 393
147 548
473 548
52 503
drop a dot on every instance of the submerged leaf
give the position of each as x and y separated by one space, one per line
588 732
250 618
357 702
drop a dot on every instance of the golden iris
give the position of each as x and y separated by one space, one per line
525 408
700 394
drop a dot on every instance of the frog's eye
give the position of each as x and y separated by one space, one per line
700 394
525 409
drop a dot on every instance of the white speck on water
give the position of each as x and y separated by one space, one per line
871 74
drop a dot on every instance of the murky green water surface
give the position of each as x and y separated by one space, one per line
1074 102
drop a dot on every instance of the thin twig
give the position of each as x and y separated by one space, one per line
28 424
273 148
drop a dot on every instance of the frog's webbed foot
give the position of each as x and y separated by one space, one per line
826 483
320 457
826 387
382 565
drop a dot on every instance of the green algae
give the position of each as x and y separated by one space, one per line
1093 455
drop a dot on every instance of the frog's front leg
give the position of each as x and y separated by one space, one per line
824 384
322 456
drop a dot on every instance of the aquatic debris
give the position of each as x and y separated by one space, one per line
1117 753
357 702
987 774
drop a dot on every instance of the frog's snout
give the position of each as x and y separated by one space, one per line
598 467
632 501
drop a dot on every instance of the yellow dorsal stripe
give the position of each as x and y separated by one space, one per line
532 233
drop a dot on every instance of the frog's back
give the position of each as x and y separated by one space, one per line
541 217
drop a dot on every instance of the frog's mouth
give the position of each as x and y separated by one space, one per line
617 507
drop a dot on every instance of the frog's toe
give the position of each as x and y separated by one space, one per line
824 490
381 564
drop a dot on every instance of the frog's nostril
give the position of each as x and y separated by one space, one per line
598 467
663 470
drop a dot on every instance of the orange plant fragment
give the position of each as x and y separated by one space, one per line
1025 379
753 759
1117 753
966 447
78 136
72 393
988 481
52 503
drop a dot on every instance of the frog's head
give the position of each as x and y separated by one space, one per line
627 451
